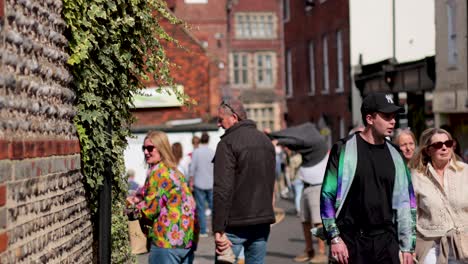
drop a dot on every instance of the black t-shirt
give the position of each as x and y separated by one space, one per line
368 205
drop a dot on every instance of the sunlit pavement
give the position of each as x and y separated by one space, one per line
285 242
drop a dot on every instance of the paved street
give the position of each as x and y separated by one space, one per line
286 240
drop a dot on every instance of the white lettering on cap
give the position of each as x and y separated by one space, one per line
389 98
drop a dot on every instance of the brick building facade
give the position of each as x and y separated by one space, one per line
244 38
317 64
195 71
44 215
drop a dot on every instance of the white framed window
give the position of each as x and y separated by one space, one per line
289 75
240 69
326 81
255 25
311 69
264 114
253 68
339 62
286 11
452 34
264 69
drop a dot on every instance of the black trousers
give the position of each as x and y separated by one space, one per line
369 248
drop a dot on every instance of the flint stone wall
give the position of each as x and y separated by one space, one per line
44 216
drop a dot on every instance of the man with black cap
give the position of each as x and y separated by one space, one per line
367 201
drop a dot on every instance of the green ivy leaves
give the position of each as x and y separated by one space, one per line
114 45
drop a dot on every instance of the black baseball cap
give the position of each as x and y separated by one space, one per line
379 102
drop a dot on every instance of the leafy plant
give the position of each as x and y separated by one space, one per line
115 47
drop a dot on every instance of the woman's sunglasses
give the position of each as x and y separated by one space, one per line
148 148
438 145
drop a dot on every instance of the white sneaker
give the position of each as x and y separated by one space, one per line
208 212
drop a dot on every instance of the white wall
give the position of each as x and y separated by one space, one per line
134 158
371 34
371 30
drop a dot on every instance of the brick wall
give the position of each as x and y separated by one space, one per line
44 216
310 26
195 71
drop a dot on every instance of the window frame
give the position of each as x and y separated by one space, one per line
326 74
247 25
312 83
240 68
286 11
264 69
339 62
289 84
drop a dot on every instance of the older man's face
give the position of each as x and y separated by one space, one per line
225 119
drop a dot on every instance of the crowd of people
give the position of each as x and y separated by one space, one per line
370 199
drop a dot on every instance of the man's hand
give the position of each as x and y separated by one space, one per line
339 251
407 257
222 242
191 182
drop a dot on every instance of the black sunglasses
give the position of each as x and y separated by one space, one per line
438 145
148 148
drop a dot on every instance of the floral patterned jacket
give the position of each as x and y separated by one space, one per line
169 205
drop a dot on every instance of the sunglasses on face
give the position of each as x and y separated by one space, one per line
438 145
148 148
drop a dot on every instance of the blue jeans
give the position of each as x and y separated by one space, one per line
201 197
298 187
170 255
254 240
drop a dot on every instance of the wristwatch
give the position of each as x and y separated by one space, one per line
336 240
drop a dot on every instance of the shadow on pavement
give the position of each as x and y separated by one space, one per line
280 255
298 240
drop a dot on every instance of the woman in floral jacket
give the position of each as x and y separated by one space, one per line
165 201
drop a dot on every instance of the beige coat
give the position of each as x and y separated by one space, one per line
442 207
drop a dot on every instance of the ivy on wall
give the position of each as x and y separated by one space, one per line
115 46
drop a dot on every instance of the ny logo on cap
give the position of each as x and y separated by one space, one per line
389 98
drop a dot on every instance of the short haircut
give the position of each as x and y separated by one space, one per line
405 131
204 138
234 107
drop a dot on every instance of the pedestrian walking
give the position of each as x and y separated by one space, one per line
406 140
367 202
178 152
201 174
307 140
294 161
244 176
166 205
440 181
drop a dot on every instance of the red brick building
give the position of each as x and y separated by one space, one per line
245 39
195 72
317 63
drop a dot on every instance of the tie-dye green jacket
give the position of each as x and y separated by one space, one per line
337 181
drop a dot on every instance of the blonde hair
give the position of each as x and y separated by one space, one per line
421 158
161 142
